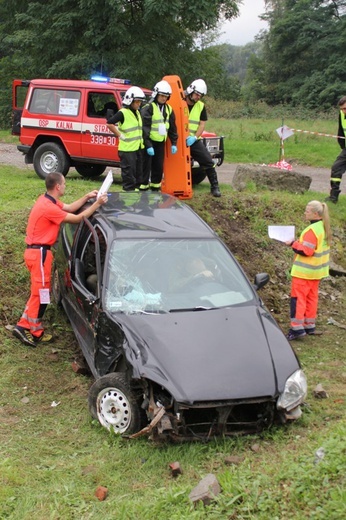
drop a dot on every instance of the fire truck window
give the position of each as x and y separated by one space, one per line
100 103
57 102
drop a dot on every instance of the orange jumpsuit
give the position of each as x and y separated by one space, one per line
41 233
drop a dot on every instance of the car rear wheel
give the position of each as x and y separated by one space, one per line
89 171
113 403
198 175
50 157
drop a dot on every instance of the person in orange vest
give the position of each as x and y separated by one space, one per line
45 218
310 265
197 119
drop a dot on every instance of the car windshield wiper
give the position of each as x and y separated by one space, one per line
140 311
194 309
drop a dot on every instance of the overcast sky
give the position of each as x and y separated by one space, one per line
243 29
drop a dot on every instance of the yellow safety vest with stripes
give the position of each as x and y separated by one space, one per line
156 120
313 267
343 121
132 128
195 117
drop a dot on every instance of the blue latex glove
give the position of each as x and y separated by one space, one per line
190 140
174 149
151 151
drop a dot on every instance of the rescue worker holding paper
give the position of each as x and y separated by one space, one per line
42 232
310 265
158 124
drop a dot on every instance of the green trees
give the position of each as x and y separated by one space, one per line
303 59
142 40
299 60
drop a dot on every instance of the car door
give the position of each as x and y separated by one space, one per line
84 296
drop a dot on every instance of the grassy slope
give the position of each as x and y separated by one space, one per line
54 457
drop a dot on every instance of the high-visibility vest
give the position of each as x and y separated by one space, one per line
158 119
195 117
317 266
132 129
343 120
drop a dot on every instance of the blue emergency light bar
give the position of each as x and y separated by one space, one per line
105 79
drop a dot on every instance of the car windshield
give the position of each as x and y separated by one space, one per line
158 276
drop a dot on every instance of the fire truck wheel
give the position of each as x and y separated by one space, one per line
198 175
50 157
89 171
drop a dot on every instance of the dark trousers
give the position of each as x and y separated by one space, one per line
131 164
153 165
338 169
200 154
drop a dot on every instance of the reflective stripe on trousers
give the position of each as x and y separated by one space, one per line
39 263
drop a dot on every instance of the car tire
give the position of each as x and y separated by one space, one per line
198 175
50 157
113 403
89 171
56 288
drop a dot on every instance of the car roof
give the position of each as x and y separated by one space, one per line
150 215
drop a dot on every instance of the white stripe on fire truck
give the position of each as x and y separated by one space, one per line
72 126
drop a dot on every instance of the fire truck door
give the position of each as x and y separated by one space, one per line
97 141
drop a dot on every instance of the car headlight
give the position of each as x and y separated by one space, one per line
294 392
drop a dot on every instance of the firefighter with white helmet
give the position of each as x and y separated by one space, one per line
197 119
127 125
158 125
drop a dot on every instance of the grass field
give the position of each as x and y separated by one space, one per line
54 456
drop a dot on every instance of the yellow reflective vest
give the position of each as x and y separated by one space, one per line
343 121
132 128
313 267
156 120
195 117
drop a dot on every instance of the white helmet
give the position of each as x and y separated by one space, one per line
133 94
162 87
198 86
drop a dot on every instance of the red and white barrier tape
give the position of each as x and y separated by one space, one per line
317 133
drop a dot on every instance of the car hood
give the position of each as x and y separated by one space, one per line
210 355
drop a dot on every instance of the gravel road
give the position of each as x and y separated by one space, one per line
320 176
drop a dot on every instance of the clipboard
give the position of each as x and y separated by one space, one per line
281 233
107 183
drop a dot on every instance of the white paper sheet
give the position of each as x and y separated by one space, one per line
282 233
107 183
284 132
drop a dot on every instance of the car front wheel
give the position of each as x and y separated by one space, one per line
50 157
113 403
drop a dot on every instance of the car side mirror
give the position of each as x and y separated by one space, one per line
261 279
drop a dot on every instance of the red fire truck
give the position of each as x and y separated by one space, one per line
62 124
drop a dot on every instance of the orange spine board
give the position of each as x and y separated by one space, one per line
177 180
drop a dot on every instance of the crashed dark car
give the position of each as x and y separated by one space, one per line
179 352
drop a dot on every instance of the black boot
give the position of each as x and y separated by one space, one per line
214 185
333 196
